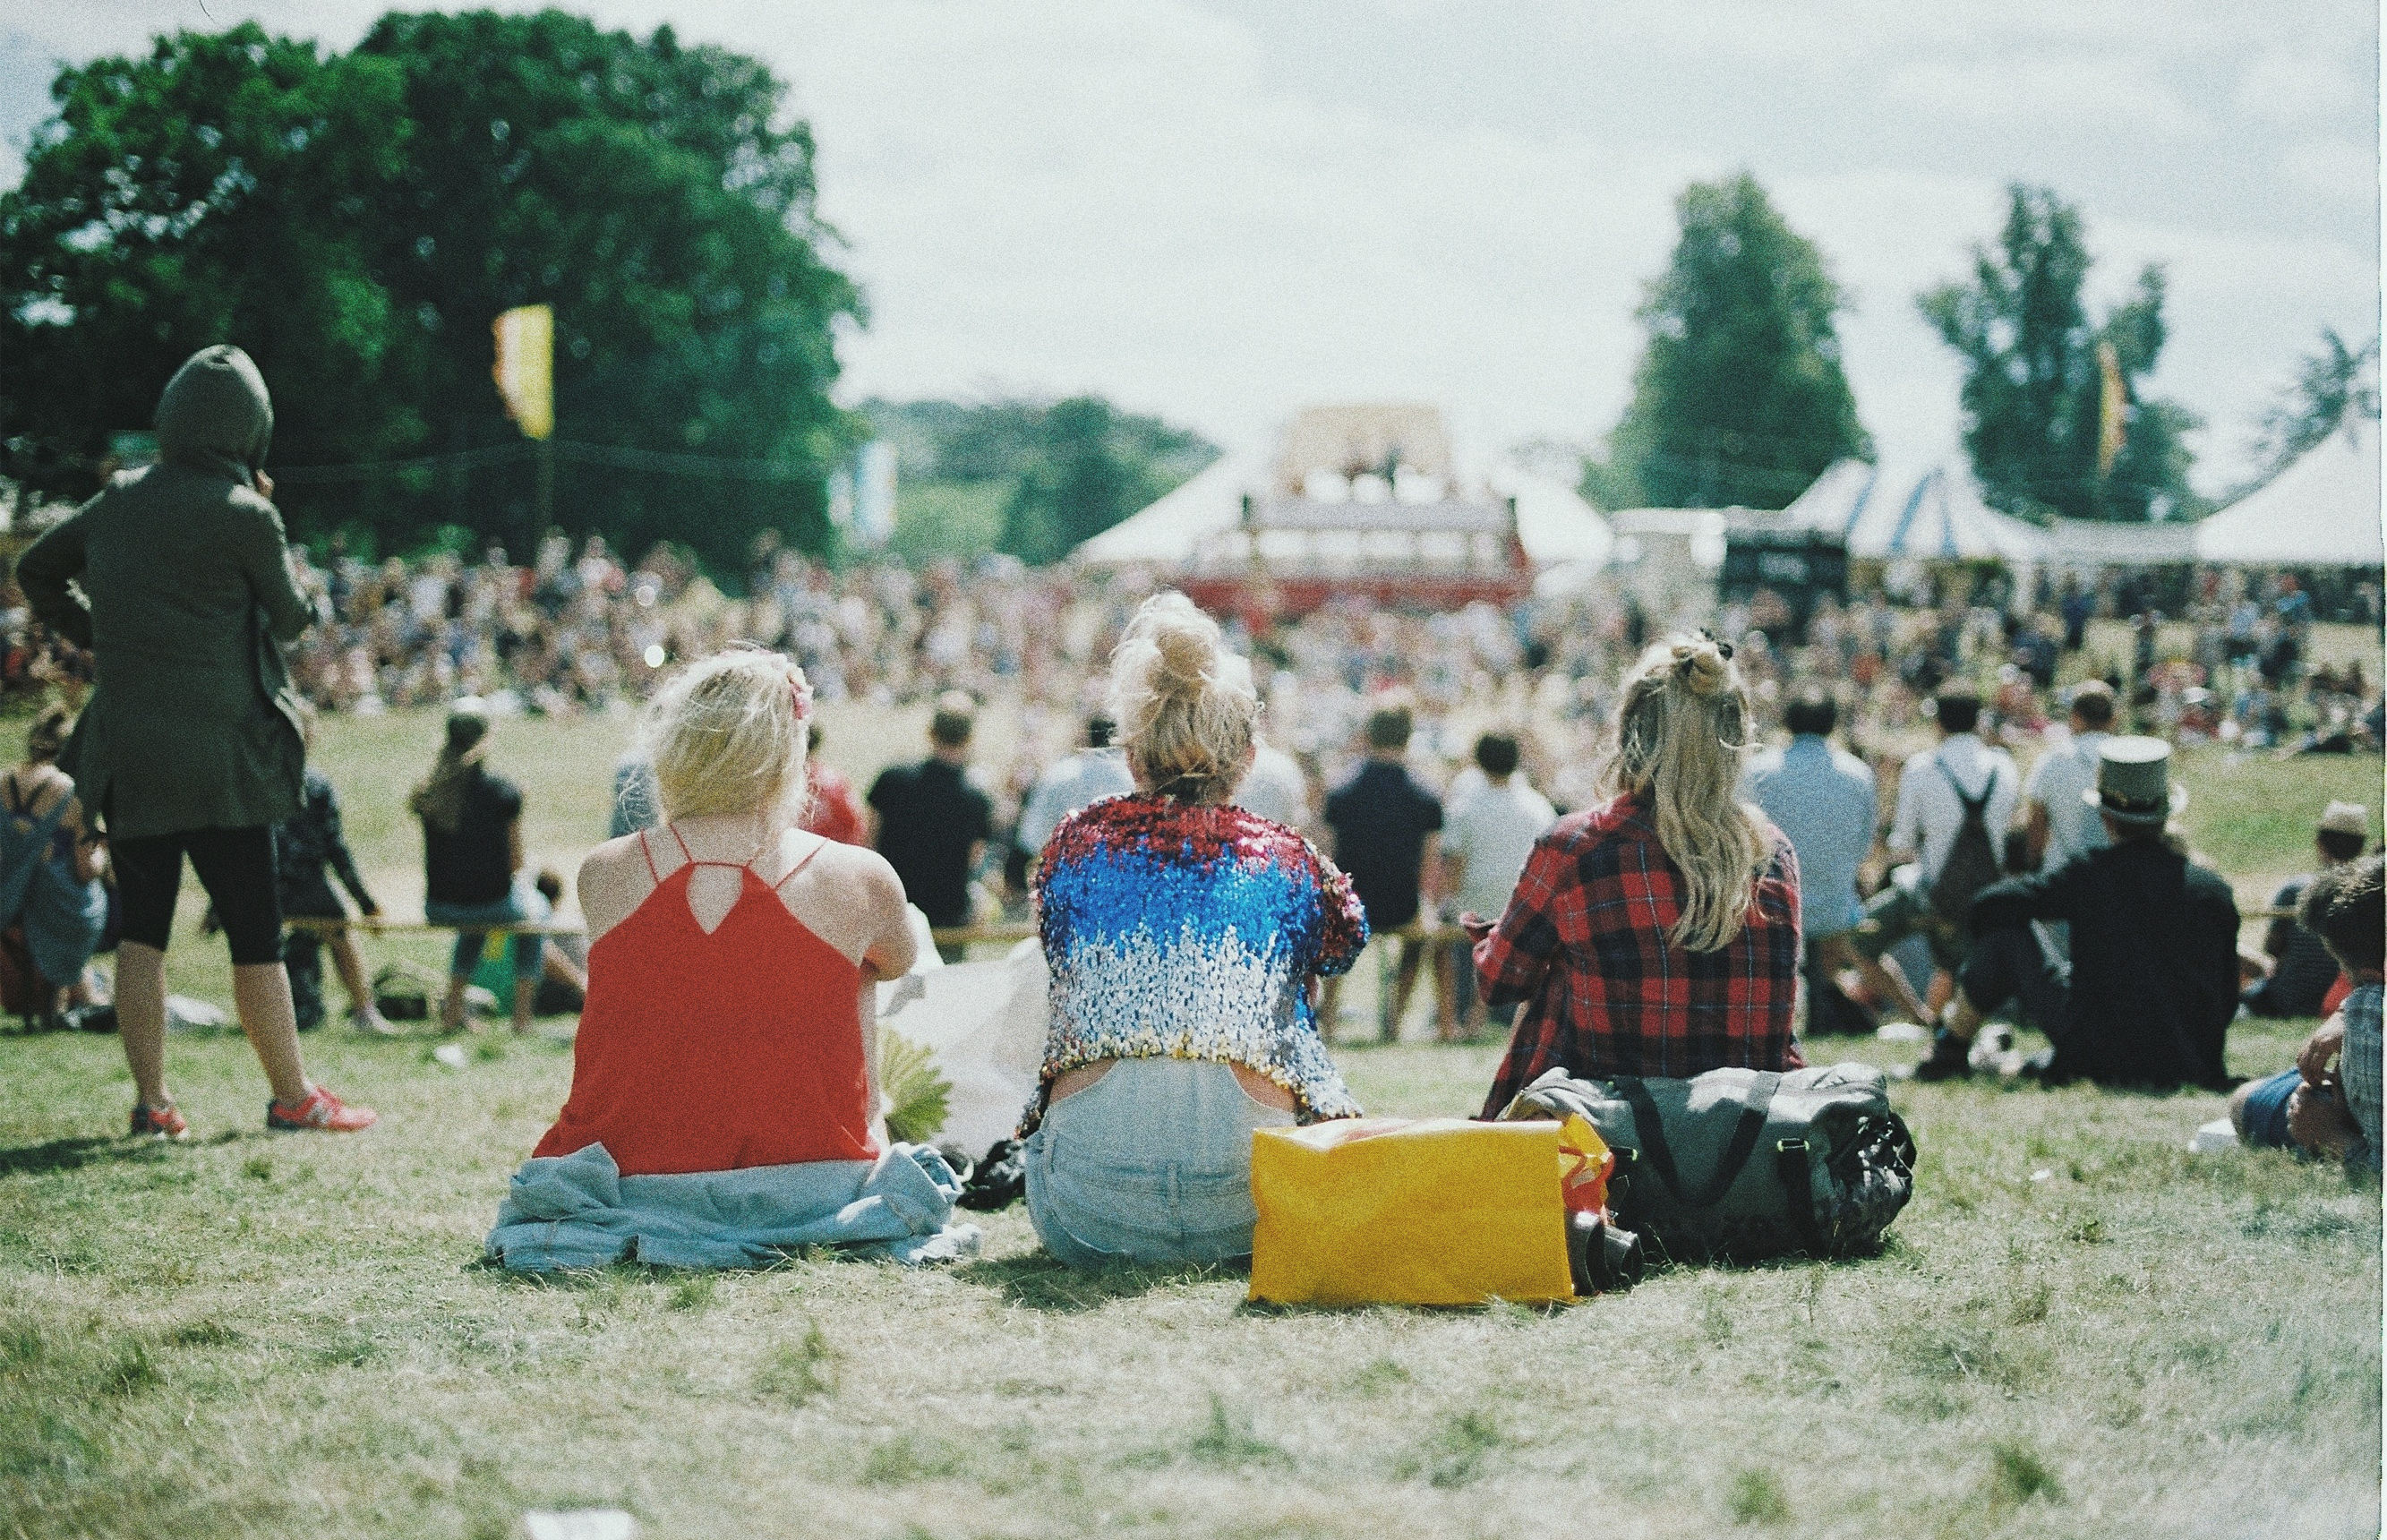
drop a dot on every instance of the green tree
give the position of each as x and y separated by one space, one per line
1050 474
216 189
2034 386
1740 396
2330 382
449 168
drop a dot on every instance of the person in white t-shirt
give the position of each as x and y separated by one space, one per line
2057 822
1933 789
1484 843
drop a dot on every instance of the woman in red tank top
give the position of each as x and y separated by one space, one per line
729 1021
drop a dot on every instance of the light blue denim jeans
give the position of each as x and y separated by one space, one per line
1152 1163
524 905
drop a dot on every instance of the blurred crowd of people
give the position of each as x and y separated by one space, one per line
581 629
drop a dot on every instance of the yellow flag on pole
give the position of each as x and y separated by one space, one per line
526 371
2112 407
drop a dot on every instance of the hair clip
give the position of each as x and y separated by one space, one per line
1724 648
800 695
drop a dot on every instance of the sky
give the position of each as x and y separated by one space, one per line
1221 211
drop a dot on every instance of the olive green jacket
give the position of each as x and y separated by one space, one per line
187 595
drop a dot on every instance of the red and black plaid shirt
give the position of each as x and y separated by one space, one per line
1584 945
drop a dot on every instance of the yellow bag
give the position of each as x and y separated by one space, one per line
1390 1211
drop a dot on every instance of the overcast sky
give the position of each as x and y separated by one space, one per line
1222 209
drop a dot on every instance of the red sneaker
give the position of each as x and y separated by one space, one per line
164 1122
318 1109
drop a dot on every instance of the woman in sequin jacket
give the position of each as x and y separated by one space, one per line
1182 934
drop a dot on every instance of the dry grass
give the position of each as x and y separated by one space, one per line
284 1336
263 1335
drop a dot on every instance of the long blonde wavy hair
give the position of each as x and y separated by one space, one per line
1680 734
1183 701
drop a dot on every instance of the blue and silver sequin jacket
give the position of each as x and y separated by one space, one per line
1191 932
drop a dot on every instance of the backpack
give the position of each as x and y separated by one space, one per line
1744 1163
1972 863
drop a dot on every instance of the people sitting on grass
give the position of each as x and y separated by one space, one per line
727 1047
1955 803
190 744
1182 934
54 860
2153 982
309 849
475 873
729 952
2312 1107
1656 933
2302 969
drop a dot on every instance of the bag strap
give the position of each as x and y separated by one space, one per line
1974 806
1653 1131
1799 1186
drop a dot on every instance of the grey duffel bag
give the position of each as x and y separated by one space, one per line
1743 1164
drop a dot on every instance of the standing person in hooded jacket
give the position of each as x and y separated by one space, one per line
190 741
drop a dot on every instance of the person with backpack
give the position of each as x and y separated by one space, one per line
1954 804
2153 983
50 863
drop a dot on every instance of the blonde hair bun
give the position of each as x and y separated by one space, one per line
725 738
1703 666
1185 702
1187 650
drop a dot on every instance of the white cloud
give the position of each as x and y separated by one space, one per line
2299 88
2334 169
2068 90
1222 213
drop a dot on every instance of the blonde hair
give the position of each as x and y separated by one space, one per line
1680 736
1184 704
724 735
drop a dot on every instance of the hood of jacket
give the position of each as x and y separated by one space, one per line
214 415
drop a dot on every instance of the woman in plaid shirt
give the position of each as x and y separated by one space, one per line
1658 932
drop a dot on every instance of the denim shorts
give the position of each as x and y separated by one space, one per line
1152 1163
524 906
2266 1110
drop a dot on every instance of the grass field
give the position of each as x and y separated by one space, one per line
2079 1329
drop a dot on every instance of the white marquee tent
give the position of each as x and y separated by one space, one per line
2321 512
1934 513
1553 525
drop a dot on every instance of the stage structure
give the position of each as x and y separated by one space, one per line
1363 500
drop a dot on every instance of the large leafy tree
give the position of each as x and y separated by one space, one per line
2034 385
217 189
1739 397
449 168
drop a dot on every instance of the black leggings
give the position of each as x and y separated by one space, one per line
235 866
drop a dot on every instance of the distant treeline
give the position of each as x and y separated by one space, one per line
1030 478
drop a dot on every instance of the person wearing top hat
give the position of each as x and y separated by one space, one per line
2153 978
2302 970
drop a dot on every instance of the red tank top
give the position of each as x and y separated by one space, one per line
714 1053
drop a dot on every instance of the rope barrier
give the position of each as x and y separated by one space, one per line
1006 933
